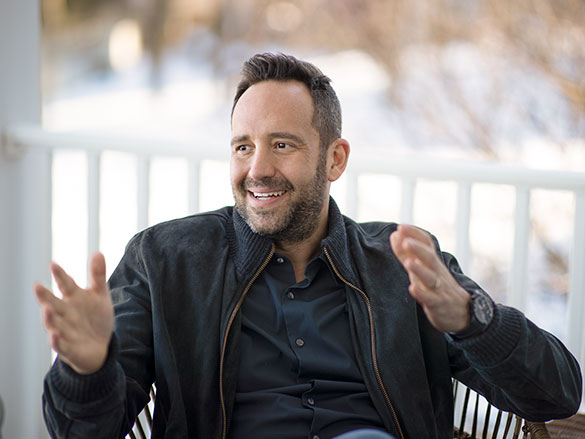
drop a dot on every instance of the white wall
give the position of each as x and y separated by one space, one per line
24 233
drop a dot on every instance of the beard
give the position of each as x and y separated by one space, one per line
292 223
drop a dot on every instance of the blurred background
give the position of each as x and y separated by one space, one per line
482 80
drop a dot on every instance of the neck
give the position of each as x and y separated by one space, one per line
301 253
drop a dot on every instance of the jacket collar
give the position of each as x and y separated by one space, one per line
250 249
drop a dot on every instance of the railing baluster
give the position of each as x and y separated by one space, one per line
143 190
93 201
194 185
518 274
462 225
407 200
576 303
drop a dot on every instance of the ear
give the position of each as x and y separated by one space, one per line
337 158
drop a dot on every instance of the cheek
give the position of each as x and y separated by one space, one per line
237 172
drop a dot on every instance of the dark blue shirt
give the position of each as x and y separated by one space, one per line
298 377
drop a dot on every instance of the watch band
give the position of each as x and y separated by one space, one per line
481 312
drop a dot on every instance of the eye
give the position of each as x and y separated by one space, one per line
283 145
242 148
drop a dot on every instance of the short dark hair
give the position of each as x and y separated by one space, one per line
280 67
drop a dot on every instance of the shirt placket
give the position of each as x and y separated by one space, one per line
297 339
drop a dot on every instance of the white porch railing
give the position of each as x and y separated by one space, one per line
465 174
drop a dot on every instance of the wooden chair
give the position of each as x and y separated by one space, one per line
472 410
477 420
569 428
143 423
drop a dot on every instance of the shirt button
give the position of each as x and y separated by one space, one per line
311 401
280 260
300 342
290 295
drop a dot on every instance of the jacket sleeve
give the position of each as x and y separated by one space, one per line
517 366
105 404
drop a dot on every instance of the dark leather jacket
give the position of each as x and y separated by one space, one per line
177 292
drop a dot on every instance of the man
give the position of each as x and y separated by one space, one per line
280 318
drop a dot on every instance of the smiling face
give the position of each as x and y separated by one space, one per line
278 173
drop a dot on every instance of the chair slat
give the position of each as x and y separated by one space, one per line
497 424
475 416
508 424
486 423
464 410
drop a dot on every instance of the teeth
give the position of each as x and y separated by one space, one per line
267 195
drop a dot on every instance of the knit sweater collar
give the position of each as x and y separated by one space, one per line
251 249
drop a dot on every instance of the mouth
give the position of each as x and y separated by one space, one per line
267 195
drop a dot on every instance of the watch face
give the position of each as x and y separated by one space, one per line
482 309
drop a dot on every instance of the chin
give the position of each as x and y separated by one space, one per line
262 225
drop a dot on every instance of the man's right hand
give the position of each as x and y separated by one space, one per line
80 325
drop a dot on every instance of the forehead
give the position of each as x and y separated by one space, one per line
273 104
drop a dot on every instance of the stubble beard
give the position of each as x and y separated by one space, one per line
301 217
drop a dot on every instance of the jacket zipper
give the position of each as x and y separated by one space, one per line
373 343
225 338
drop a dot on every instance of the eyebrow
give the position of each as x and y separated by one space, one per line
239 139
274 135
285 135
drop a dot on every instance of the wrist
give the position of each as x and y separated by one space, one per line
83 388
481 314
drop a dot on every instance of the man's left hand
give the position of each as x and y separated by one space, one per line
443 300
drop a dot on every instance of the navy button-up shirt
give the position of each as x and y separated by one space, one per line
298 373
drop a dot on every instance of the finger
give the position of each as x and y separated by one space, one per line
421 275
415 232
47 299
53 322
418 293
424 296
66 284
97 273
396 243
406 233
423 251
57 343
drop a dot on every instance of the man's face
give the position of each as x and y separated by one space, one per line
278 174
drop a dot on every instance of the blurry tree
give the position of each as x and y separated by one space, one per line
536 38
416 43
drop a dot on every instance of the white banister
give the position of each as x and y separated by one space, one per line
143 191
462 222
93 201
518 274
576 304
429 168
194 177
407 200
385 162
33 136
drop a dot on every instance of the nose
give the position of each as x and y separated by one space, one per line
262 164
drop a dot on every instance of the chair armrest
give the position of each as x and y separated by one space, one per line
537 430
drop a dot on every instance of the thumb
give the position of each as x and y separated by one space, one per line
97 273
